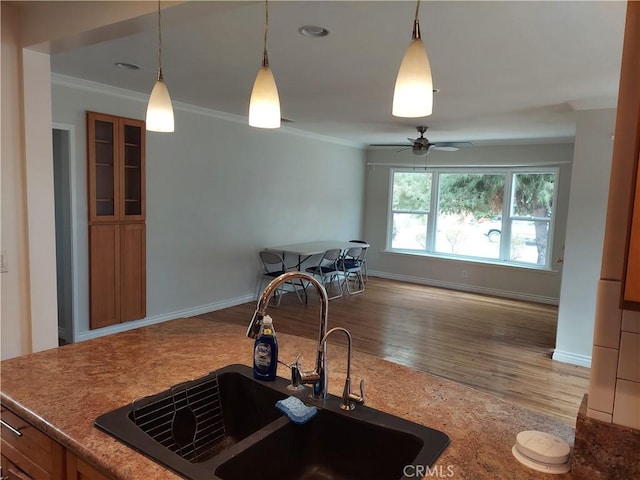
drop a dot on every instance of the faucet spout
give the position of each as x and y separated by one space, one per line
347 396
318 377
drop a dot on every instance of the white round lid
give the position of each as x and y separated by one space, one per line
541 466
542 447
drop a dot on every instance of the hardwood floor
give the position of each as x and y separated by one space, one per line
496 345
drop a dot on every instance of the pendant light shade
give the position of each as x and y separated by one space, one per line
159 109
264 106
413 93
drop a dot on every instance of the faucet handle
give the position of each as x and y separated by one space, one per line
359 399
348 397
296 374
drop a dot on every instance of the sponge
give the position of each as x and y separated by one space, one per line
297 411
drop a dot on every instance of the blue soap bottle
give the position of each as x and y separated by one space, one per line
265 352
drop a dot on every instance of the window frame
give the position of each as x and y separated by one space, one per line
507 216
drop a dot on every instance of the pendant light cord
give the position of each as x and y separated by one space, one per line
159 44
416 23
265 58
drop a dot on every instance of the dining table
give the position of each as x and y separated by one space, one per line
306 250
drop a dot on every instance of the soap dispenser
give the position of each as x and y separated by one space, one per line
265 352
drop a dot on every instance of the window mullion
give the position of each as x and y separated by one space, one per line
505 236
431 219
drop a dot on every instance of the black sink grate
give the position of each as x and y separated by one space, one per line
189 421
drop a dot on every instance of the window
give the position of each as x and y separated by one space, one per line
497 215
410 209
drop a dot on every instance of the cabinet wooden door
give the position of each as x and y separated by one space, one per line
27 453
117 286
133 272
10 470
78 469
632 275
104 275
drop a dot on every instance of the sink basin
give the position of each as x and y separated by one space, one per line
225 426
331 446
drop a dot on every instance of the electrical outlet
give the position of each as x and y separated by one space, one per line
3 262
464 274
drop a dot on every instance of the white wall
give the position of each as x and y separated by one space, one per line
585 235
527 284
15 301
218 191
38 162
29 306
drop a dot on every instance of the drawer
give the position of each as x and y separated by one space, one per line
11 471
29 449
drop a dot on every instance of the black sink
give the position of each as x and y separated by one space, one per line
225 426
329 447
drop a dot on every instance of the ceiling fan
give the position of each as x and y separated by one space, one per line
421 146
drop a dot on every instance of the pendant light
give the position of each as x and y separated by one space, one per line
159 108
413 93
264 107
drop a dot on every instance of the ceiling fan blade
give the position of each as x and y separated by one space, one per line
390 145
451 146
446 149
412 140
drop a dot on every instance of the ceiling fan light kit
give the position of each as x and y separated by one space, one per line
160 109
264 106
413 92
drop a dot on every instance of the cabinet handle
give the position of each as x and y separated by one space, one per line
11 428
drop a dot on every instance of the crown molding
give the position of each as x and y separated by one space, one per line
104 89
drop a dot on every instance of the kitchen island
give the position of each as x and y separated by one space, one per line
61 392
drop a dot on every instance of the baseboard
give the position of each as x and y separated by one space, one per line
572 358
463 287
188 312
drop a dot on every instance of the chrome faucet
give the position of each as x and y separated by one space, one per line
318 378
347 396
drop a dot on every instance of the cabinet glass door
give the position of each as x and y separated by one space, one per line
103 167
133 170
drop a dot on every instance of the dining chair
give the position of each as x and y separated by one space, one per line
363 260
274 266
350 264
327 270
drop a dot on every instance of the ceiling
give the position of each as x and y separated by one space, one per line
506 71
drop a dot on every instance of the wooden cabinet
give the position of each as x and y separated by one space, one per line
10 471
78 469
117 242
631 293
29 454
117 271
116 154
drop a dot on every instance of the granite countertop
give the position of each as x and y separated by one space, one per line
62 391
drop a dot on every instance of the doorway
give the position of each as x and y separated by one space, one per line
62 148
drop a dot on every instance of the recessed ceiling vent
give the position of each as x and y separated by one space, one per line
314 31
